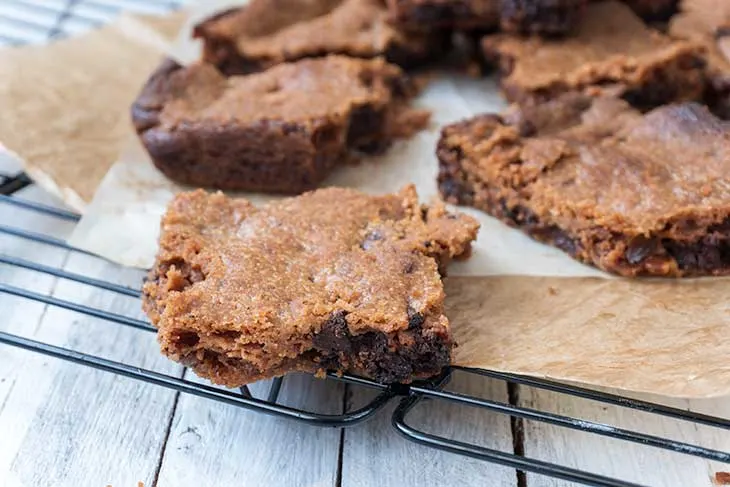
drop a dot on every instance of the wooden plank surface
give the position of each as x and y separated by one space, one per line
22 374
217 444
621 459
374 454
81 407
67 424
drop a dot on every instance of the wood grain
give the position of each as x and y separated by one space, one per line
624 460
64 424
374 454
22 374
217 444
84 410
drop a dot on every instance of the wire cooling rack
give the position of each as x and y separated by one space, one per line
37 21
63 17
409 397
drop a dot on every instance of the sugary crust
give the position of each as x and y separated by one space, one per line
281 130
266 33
333 279
612 52
630 194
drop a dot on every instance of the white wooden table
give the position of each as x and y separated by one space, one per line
66 425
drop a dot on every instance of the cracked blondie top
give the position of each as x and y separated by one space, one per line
612 52
268 32
708 22
282 130
331 280
632 194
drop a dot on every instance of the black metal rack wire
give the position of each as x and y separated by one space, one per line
409 397
39 20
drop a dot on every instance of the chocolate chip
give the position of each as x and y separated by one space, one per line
454 191
518 215
409 267
722 31
371 353
365 121
526 127
415 320
186 339
334 336
707 254
698 256
723 227
639 248
562 241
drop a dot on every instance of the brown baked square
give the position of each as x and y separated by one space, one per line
330 280
612 52
708 22
282 130
632 194
269 32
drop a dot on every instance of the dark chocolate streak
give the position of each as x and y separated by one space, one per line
708 254
661 11
459 13
372 354
722 31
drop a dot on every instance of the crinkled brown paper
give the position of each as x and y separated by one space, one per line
65 106
516 306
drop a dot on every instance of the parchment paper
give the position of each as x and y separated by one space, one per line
65 105
517 305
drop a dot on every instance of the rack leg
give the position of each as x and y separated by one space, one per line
275 388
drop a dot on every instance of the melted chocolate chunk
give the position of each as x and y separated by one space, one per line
371 353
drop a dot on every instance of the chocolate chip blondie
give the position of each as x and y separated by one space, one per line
330 280
707 21
632 194
269 32
612 52
282 130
